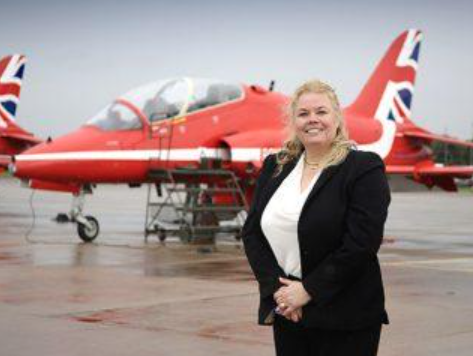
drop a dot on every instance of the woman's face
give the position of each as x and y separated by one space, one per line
314 122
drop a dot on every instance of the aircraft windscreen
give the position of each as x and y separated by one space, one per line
116 117
178 97
166 99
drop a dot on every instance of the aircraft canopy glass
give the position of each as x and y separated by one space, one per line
115 117
166 99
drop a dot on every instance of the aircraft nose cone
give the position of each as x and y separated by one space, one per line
52 160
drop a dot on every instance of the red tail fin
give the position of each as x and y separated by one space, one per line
388 93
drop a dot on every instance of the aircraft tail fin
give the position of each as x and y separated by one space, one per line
11 77
12 69
388 93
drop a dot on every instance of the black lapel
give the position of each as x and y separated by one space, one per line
275 182
325 176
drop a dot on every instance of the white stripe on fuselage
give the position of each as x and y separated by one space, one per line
238 155
196 154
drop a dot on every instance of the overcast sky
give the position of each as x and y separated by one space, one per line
83 54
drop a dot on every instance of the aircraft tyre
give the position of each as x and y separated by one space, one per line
162 235
88 234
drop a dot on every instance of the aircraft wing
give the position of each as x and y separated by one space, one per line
440 138
21 137
432 170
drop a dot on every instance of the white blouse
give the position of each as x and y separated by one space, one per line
281 216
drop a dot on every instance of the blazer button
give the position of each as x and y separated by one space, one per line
305 253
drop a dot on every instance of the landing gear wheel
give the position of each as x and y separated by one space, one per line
162 235
88 234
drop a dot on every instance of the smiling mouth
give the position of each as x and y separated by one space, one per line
313 131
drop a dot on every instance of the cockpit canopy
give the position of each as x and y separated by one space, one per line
163 100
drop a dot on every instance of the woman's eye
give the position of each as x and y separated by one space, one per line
322 112
302 114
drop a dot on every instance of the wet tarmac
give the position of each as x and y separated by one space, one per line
120 296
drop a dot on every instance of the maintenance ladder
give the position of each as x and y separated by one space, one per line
193 196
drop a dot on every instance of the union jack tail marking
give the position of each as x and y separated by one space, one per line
11 76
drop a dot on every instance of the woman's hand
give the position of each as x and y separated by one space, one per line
291 297
295 316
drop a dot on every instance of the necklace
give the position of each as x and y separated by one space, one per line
311 165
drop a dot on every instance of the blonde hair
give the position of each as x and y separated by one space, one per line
293 147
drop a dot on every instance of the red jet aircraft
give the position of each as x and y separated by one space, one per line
179 122
13 139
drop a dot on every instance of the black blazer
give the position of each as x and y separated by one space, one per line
340 231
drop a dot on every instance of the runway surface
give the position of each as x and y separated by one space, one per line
120 296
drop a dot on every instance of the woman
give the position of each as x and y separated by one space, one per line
313 232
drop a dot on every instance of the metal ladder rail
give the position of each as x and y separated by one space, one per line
150 185
150 220
171 200
161 139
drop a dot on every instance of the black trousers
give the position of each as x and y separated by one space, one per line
293 339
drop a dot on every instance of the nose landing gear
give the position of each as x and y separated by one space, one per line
88 227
